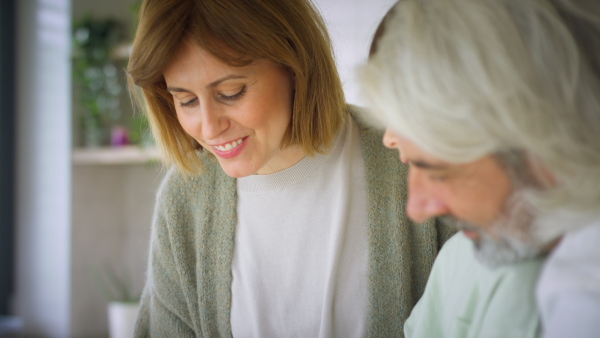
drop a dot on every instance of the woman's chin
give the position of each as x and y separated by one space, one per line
237 170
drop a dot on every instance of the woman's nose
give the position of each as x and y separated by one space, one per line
213 121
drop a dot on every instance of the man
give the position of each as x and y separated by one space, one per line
495 105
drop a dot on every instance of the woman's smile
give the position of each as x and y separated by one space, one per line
230 149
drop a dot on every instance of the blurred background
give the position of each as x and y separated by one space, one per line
78 170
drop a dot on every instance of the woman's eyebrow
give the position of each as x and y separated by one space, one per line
177 90
225 78
210 85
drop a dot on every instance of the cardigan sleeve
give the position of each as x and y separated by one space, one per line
188 286
155 320
165 304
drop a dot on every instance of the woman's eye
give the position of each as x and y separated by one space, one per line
188 103
234 96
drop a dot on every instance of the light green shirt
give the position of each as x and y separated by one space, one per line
464 298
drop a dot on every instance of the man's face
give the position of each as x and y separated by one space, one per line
479 198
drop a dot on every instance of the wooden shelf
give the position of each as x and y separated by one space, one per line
114 155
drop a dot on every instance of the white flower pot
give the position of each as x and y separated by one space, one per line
121 319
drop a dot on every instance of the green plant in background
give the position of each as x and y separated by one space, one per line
139 131
96 75
138 128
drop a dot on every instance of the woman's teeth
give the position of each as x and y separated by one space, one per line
228 146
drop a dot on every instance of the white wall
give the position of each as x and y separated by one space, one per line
43 167
112 213
351 25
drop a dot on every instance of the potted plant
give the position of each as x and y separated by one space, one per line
123 303
96 76
121 318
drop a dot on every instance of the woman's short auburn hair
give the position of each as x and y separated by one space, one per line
290 33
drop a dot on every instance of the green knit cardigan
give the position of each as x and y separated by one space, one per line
188 287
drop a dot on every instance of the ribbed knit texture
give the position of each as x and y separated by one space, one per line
281 179
188 288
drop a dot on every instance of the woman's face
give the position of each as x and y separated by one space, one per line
240 114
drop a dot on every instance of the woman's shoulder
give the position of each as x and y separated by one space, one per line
364 120
379 160
187 205
177 185
371 134
361 117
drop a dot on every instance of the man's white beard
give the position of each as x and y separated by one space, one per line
510 238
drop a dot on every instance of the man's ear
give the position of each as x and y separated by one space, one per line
540 175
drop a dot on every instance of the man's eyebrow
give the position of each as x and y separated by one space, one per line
210 85
426 165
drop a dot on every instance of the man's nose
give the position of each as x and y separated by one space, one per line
422 200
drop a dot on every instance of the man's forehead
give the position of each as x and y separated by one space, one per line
410 152
417 157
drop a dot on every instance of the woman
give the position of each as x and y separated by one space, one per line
282 214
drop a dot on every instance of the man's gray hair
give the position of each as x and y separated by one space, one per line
463 79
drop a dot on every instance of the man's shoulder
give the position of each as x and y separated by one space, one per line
468 299
578 244
568 291
574 265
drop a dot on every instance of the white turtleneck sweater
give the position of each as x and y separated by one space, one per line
300 264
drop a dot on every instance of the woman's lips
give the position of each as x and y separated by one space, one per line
230 149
